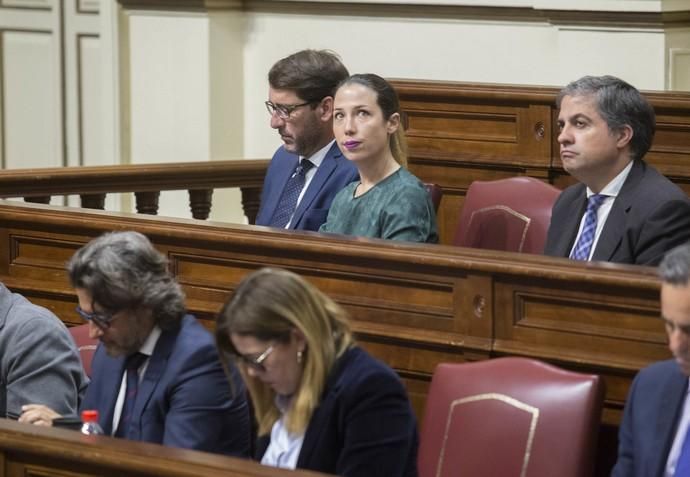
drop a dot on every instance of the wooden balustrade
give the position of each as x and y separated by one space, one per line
413 305
27 450
146 181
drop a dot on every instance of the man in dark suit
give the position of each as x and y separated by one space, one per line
308 169
623 210
156 375
654 438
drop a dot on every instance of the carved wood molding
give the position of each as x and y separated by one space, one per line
182 5
617 19
598 19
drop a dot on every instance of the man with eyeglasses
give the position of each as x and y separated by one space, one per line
156 374
308 170
39 361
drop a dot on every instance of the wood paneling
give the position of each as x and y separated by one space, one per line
413 305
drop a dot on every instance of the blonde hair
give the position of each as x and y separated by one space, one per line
268 305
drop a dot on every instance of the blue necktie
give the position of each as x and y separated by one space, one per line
132 365
288 199
683 465
584 243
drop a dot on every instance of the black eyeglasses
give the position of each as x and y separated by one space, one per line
102 320
258 362
283 110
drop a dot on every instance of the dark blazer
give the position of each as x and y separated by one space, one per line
651 417
334 173
184 398
650 216
364 425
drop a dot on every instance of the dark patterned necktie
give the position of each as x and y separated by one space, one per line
132 365
584 243
288 199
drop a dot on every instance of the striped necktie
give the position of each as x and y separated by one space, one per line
586 239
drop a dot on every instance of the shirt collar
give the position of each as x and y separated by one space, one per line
150 343
614 187
318 157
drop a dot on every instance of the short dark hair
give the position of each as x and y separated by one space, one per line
122 270
311 74
387 100
674 269
620 104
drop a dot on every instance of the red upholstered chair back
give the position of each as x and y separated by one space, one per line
510 417
435 193
86 345
509 214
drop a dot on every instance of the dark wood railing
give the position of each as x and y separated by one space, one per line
146 181
27 450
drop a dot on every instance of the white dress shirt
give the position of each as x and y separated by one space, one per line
284 447
681 432
611 191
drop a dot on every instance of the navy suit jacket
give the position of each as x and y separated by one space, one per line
334 173
363 426
184 399
650 216
651 417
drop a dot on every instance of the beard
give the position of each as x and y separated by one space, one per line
308 140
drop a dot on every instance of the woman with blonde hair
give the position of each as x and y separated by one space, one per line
321 402
388 201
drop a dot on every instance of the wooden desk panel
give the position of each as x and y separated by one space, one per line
413 305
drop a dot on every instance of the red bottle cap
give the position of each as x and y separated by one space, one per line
90 415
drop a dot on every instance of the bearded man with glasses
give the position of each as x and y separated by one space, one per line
156 373
308 170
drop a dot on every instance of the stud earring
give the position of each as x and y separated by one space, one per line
299 357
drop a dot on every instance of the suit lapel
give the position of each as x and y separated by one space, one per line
612 233
111 375
323 172
571 224
154 372
290 162
671 405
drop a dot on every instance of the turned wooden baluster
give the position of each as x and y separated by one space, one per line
147 202
200 202
251 199
41 199
93 201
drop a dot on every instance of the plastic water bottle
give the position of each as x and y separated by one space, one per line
89 419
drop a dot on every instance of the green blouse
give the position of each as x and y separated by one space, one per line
397 208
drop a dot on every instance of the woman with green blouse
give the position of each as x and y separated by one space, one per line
388 201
